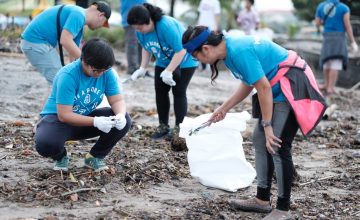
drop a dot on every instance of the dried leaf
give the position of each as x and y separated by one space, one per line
74 197
72 178
19 123
27 152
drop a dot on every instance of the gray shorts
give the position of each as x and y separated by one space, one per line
43 57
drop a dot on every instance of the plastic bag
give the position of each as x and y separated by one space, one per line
216 157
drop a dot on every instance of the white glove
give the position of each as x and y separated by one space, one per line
354 47
167 77
120 121
138 73
103 123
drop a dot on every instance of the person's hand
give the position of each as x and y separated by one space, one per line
354 47
120 121
271 139
138 73
218 115
103 123
167 77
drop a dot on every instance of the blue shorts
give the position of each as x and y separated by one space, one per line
43 57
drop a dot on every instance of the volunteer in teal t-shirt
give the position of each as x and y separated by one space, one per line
71 112
40 37
255 61
160 36
334 16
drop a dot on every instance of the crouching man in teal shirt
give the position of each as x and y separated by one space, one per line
70 112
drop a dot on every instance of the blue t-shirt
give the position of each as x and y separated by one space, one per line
125 7
170 32
72 87
250 58
335 20
43 28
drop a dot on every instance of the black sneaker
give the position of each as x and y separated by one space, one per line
161 131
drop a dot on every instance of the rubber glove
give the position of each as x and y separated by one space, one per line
354 47
120 121
167 77
138 73
103 123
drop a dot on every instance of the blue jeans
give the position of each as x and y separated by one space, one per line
43 57
51 135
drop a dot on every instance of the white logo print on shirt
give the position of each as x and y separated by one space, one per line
87 100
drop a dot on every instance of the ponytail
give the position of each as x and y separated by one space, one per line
141 14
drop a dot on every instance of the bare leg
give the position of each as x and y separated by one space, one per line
326 79
332 78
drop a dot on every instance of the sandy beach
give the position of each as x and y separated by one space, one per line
148 180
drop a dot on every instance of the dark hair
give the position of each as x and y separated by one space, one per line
98 54
252 2
214 39
141 14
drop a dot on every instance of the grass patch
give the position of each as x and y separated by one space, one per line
115 36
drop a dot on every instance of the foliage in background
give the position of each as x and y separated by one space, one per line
11 33
115 36
305 9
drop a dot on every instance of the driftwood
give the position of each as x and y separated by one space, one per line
11 54
317 180
80 190
3 157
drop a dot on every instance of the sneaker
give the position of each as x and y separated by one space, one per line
161 131
277 214
250 205
62 164
95 163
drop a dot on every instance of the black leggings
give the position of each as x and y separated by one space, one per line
51 135
182 78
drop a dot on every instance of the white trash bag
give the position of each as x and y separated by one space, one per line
216 157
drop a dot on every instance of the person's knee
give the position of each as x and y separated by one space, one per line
179 93
47 146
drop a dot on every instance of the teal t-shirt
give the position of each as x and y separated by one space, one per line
170 33
43 28
84 93
335 20
250 58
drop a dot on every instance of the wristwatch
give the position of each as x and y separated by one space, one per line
265 123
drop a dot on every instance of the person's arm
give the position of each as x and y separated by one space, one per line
318 22
145 58
66 115
240 94
117 103
348 27
264 92
68 43
176 60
